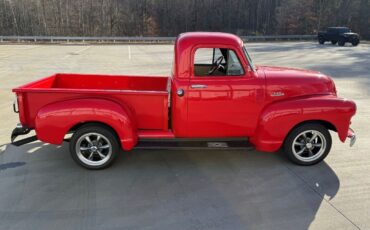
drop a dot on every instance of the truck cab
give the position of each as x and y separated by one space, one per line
213 81
215 92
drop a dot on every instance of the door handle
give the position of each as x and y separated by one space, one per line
198 86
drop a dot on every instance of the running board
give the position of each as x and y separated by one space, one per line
193 145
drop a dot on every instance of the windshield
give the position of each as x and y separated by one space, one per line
346 30
248 59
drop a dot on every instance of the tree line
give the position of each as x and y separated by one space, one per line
171 17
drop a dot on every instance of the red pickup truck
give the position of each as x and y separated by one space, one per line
215 92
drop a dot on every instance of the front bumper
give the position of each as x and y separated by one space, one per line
352 136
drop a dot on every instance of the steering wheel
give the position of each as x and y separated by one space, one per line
216 65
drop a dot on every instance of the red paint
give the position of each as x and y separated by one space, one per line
262 105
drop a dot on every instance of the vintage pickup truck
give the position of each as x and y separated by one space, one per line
215 93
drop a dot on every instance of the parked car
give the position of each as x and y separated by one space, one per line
215 92
339 35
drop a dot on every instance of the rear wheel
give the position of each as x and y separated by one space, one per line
308 144
94 146
321 40
341 42
334 42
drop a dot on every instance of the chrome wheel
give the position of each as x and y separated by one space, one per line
309 145
93 149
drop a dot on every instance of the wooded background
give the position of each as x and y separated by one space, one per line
171 17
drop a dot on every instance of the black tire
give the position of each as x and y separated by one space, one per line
321 41
102 142
355 42
298 140
334 42
341 42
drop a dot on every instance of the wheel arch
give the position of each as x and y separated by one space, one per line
278 119
79 125
328 125
264 142
55 120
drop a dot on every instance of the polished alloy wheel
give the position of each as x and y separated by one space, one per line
93 149
309 145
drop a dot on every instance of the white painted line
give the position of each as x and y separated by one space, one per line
2 148
34 149
83 49
129 52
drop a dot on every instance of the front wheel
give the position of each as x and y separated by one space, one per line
94 146
308 144
355 42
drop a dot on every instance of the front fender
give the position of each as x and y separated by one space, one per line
279 118
53 121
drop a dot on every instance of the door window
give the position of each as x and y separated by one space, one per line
217 62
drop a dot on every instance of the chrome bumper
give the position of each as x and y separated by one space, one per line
352 137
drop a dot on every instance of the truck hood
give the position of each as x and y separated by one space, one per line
350 34
282 82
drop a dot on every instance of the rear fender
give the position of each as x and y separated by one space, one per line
53 121
278 119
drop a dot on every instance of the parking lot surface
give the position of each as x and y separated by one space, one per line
42 188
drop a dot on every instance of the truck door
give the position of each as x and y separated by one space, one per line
222 96
331 34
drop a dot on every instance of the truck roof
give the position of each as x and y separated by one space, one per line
191 38
338 27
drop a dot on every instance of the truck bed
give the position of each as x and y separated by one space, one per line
146 96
